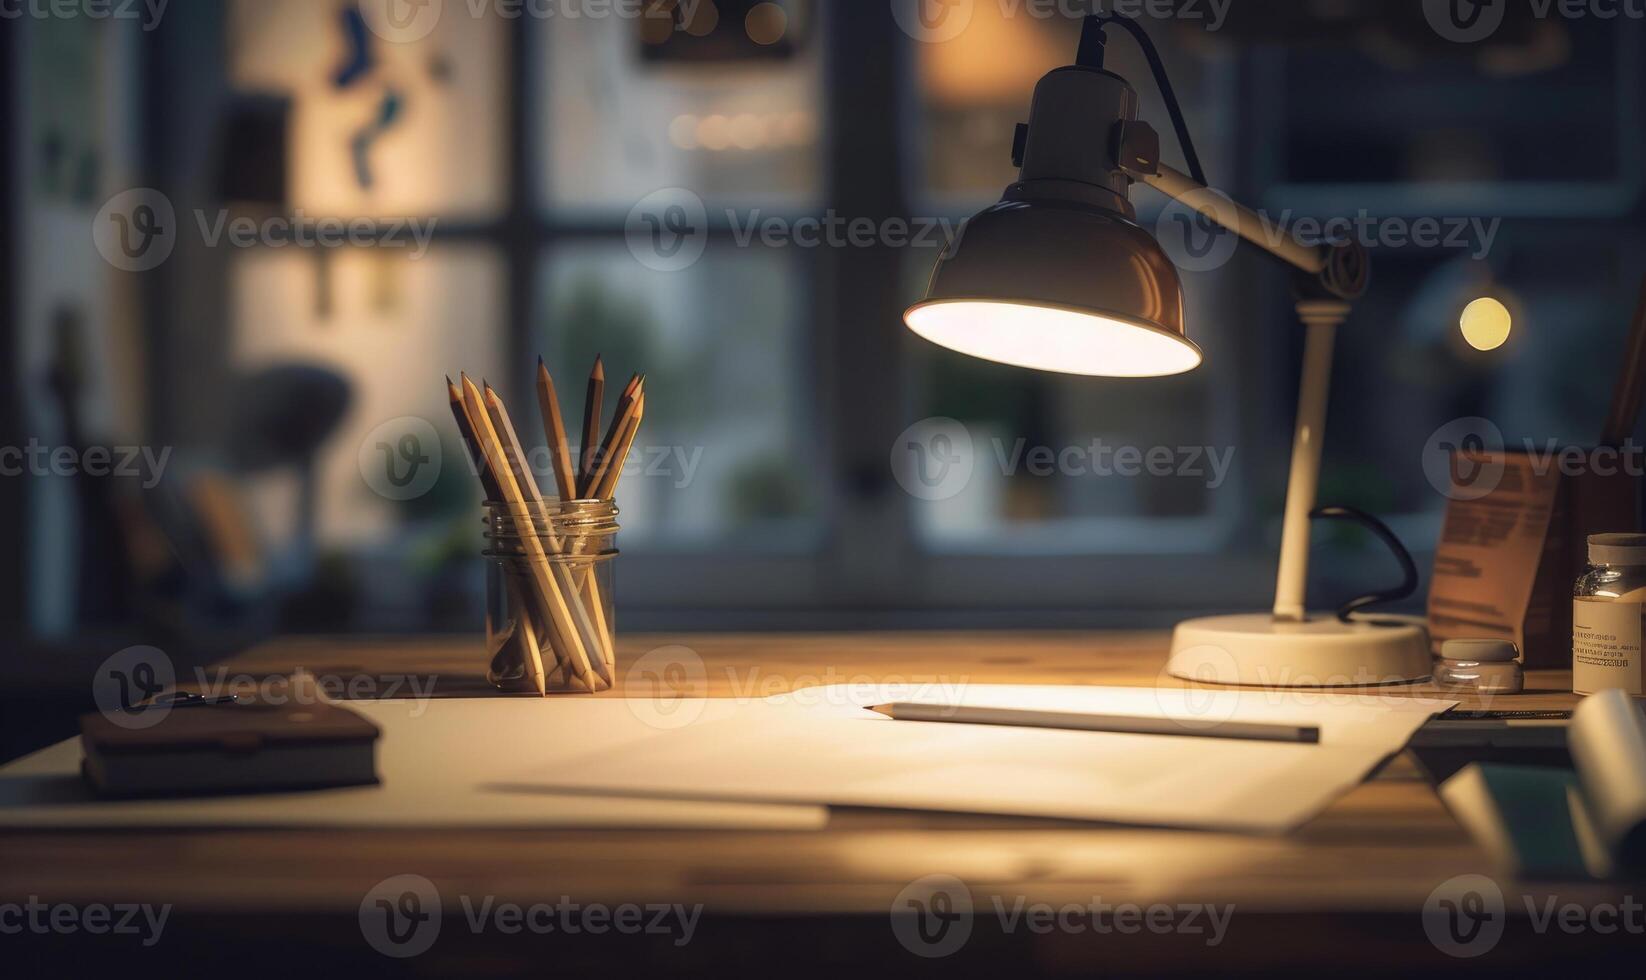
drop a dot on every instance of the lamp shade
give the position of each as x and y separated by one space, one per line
1058 286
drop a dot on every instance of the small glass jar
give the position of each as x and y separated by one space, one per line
549 597
1607 606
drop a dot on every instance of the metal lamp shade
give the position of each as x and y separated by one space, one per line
1058 287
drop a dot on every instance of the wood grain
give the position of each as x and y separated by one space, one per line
1378 851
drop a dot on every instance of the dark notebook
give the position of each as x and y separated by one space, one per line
229 748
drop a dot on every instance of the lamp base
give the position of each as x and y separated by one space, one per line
1256 650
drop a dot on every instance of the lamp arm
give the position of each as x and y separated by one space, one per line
1330 270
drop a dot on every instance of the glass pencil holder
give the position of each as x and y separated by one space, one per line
550 616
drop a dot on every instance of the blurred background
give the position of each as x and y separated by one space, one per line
268 384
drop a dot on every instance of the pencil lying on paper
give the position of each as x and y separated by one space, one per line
1119 724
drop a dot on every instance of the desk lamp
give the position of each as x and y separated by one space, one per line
1058 276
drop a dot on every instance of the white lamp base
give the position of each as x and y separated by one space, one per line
1256 650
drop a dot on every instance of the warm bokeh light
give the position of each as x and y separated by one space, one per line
1486 324
1050 339
766 23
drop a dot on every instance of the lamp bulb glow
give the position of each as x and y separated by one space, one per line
1486 324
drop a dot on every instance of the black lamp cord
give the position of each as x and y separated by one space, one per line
1093 41
1408 568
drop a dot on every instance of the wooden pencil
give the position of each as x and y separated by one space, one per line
609 448
581 617
554 429
631 391
513 449
465 428
588 453
607 489
537 561
527 631
495 468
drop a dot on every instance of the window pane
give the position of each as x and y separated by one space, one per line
627 115
378 127
1455 124
391 327
723 459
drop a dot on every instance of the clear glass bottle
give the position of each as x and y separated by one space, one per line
552 603
1607 606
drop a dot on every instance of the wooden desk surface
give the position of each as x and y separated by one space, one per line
1374 857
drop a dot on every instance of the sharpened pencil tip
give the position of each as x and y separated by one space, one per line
883 709
449 383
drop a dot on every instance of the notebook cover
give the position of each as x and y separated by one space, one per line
233 728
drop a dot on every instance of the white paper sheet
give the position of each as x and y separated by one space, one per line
821 746
434 759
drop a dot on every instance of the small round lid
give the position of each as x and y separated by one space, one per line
1479 651
1617 549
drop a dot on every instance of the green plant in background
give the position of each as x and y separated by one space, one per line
767 487
591 320
976 391
1363 487
442 527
